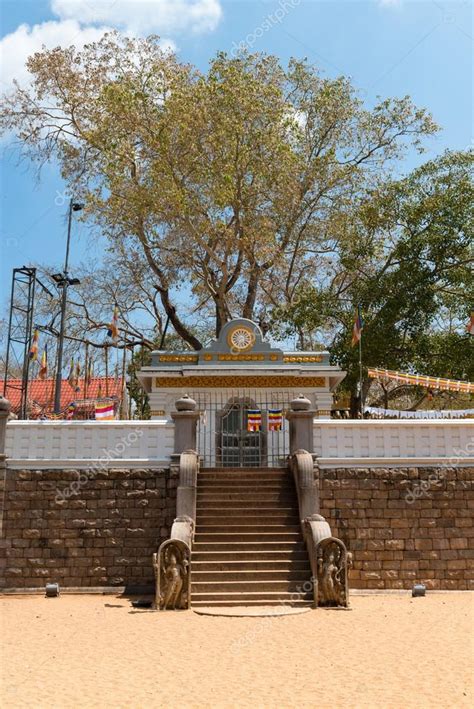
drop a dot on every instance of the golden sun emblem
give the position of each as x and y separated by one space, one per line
241 339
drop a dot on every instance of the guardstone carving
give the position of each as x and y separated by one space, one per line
172 572
333 561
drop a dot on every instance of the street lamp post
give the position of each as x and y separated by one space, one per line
63 281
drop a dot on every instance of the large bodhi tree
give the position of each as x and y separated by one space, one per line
233 185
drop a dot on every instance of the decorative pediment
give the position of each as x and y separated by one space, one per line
241 339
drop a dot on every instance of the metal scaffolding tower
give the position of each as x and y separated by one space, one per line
20 325
20 332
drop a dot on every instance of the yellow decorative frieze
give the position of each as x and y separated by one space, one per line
241 357
302 358
178 358
233 382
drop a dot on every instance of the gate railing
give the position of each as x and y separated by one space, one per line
242 427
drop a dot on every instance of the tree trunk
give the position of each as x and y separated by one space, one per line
163 290
221 315
251 295
178 325
355 405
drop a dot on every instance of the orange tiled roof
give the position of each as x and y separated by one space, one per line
42 392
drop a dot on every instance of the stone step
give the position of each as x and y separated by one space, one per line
213 486
253 527
250 503
238 517
239 506
268 546
225 508
268 487
302 573
248 494
259 498
249 564
248 547
240 510
237 556
237 487
242 537
297 585
281 600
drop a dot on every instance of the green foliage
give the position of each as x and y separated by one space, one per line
408 262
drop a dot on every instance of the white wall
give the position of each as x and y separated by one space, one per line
375 443
76 443
337 443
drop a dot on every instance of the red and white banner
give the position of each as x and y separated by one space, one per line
105 412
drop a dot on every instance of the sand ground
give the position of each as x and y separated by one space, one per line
98 651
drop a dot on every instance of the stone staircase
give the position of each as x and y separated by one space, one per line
248 547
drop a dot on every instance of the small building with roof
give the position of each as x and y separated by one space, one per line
243 386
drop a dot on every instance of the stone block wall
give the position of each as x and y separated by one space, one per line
403 525
104 535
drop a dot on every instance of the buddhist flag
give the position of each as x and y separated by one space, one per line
254 420
470 324
88 377
72 375
275 419
358 326
105 412
33 353
43 372
77 376
113 327
70 411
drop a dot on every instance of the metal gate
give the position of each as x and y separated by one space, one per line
237 445
243 428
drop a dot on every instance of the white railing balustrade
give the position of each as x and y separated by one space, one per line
77 443
376 443
346 443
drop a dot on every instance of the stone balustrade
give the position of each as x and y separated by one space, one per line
374 443
63 444
349 443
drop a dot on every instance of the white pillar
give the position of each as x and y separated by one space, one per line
324 404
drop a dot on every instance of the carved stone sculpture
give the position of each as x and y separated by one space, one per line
332 564
171 565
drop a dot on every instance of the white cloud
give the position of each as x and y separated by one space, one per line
389 3
144 16
84 21
16 47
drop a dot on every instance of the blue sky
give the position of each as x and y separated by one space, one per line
388 47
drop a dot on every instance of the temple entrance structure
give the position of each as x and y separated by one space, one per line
242 386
